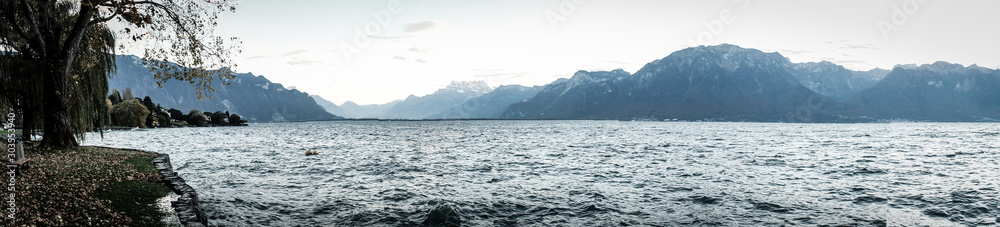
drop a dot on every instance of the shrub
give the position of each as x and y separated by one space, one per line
130 113
219 118
196 118
235 120
164 119
177 114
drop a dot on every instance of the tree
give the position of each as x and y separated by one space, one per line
196 118
115 97
87 82
48 34
151 120
163 118
219 118
127 94
18 92
235 120
176 114
148 103
130 113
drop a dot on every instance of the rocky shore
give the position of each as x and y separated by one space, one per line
188 209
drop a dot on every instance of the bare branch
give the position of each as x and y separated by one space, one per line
170 13
105 19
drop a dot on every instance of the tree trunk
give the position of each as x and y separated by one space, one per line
58 131
27 123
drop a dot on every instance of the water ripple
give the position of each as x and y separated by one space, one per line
586 173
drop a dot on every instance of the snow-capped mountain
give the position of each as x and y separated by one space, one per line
490 105
727 83
468 86
833 80
722 82
423 107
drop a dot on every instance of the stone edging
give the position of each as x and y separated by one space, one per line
187 207
188 210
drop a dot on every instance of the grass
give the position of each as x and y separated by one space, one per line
136 200
142 164
86 186
8 132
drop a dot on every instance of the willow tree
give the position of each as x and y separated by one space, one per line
88 81
176 36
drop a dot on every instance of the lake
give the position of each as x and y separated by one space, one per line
585 173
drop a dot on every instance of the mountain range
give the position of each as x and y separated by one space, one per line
253 97
705 83
933 92
723 83
489 105
422 107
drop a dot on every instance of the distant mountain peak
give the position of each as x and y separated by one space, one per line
469 86
723 49
594 76
822 66
727 56
943 67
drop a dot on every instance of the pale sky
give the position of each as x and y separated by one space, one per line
418 46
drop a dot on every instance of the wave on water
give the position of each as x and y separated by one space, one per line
586 173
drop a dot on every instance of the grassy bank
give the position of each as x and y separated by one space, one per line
86 186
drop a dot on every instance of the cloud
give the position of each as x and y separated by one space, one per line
295 52
388 37
795 51
616 62
419 49
401 58
285 55
848 44
502 75
861 46
421 61
419 26
260 57
303 61
848 63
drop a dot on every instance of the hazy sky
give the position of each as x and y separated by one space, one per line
375 51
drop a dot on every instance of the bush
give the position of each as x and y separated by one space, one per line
152 121
130 113
164 119
219 118
196 118
235 120
177 114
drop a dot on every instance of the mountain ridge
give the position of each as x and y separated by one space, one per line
727 83
254 97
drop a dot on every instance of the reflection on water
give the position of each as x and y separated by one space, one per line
586 173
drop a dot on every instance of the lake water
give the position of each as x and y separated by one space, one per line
586 173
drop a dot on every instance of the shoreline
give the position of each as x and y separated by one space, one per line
187 207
